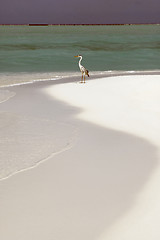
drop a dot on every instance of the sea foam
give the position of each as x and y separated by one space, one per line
6 95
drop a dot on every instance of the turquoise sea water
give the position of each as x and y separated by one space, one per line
52 48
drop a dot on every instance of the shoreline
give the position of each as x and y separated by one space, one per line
62 77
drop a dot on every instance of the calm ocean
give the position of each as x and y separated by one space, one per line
35 49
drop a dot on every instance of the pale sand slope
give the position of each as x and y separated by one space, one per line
130 104
126 103
105 187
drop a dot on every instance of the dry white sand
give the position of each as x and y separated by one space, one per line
130 104
107 185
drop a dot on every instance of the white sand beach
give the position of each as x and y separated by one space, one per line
99 148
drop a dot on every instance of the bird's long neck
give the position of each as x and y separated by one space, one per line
80 61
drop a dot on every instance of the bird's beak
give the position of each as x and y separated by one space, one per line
75 56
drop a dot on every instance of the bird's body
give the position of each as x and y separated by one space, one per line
83 70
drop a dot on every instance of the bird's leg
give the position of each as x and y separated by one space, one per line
82 78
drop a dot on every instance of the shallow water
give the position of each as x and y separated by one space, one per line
6 95
27 141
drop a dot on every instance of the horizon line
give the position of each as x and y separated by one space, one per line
77 24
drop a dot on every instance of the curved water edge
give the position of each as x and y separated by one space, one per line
6 95
26 142
20 78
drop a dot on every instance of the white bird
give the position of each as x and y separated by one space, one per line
83 70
